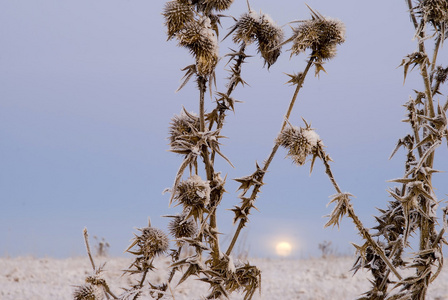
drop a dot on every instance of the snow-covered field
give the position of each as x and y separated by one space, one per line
48 278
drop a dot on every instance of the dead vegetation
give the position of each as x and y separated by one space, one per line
198 188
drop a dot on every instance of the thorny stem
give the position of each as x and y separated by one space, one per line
436 51
425 226
202 81
288 112
231 88
257 187
237 68
351 213
208 165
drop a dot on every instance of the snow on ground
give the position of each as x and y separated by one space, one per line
48 278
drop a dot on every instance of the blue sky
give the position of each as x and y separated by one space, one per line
87 90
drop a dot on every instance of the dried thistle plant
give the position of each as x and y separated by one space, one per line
198 188
412 214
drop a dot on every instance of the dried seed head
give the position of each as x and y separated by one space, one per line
270 36
200 39
151 242
88 292
185 123
217 5
193 192
434 11
299 142
181 227
320 35
441 74
246 28
177 14
181 127
194 195
252 27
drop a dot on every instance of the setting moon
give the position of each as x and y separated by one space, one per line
283 249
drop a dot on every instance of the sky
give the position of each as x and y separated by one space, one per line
87 91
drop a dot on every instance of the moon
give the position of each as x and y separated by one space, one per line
283 249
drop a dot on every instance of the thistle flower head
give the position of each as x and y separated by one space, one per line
194 195
183 124
441 74
434 11
177 14
150 243
300 142
200 39
270 36
217 5
252 27
180 226
88 292
320 35
182 132
246 28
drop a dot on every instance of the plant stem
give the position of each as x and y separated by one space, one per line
86 240
436 51
257 187
351 213
232 85
414 19
202 81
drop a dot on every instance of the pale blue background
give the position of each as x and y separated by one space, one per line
87 93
